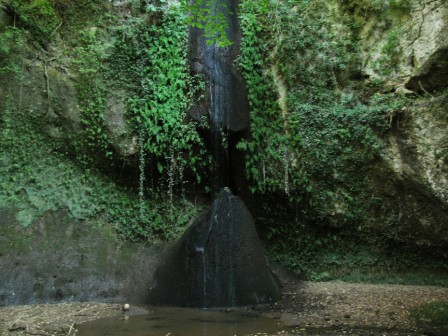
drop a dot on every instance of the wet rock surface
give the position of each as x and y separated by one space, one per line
225 99
61 259
219 262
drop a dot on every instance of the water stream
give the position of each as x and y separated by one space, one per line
225 101
219 261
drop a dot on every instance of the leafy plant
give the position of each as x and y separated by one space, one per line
11 48
271 146
163 92
89 56
37 16
317 132
211 16
317 147
35 179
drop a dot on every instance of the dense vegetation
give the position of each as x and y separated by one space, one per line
157 104
316 135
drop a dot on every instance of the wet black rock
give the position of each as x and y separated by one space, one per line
219 262
225 98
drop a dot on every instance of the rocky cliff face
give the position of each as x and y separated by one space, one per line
414 177
360 163
408 48
47 89
64 126
335 64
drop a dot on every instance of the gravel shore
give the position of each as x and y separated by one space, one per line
306 308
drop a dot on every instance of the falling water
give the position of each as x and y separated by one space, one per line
231 266
228 112
141 182
219 261
226 103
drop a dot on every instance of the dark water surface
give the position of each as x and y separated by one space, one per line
181 322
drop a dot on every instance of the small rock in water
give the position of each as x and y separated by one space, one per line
126 307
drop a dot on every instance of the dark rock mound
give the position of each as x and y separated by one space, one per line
219 262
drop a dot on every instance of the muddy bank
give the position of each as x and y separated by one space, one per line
52 319
358 309
305 309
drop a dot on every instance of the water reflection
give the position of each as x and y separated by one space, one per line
181 322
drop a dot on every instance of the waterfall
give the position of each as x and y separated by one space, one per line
142 177
225 99
219 261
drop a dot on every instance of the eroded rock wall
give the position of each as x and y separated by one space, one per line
415 175
60 259
46 87
415 38
399 49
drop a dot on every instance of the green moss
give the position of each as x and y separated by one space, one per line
37 16
311 160
434 314
11 49
383 9
93 145
36 179
319 147
319 255
147 57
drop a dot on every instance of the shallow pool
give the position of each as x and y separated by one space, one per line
182 322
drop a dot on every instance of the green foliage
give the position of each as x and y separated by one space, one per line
384 17
318 148
433 314
209 15
148 60
89 57
11 44
317 133
269 151
152 63
390 53
35 179
37 16
321 255
382 8
339 146
319 207
160 217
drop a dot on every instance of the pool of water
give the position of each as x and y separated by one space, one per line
181 322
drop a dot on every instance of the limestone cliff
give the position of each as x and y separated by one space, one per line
409 53
47 81
401 50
